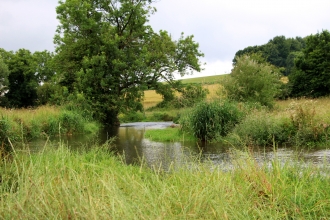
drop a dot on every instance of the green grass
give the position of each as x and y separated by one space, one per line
168 134
62 184
27 124
205 80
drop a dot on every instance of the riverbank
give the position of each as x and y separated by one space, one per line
296 122
21 125
59 183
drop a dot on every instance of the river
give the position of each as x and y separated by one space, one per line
131 145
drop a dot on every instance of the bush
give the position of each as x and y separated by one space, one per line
157 116
299 128
308 130
191 95
131 117
253 80
210 120
262 129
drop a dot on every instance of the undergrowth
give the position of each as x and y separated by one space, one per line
26 124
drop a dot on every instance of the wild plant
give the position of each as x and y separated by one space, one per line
308 129
209 120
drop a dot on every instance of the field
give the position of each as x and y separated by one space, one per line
206 79
212 83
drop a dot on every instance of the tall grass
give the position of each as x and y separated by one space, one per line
207 121
300 123
63 184
22 124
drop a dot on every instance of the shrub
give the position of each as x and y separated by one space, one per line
157 116
209 120
299 127
261 129
191 95
131 117
253 80
307 128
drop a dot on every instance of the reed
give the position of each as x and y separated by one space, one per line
26 124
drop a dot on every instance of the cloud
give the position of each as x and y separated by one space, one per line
220 27
224 27
212 68
29 24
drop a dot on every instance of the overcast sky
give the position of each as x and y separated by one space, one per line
221 27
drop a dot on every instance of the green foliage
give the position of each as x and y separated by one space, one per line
312 68
46 93
190 95
279 51
167 91
253 80
27 124
308 129
109 53
207 121
161 116
259 128
22 79
4 72
131 117
301 128
4 135
26 72
168 134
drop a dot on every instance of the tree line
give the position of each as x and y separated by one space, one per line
306 62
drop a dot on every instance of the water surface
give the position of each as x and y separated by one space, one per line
134 148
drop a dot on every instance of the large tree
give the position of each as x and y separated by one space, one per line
107 51
311 76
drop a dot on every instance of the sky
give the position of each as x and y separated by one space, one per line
221 27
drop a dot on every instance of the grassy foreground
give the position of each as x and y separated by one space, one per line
61 184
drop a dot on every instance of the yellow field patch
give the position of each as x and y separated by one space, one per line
151 98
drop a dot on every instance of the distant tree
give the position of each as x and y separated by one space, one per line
311 75
4 72
22 79
107 51
247 50
253 80
279 51
44 66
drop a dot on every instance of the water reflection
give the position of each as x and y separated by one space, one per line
131 144
135 148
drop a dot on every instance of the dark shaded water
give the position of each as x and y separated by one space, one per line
131 144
